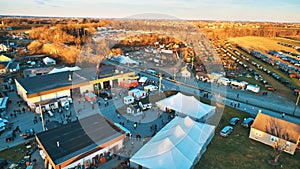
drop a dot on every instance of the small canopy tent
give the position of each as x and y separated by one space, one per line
143 79
187 105
90 97
180 144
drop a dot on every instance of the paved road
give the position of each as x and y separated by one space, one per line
272 102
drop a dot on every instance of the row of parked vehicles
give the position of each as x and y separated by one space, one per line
247 122
11 135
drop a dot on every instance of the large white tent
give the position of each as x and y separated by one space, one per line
187 105
180 144
64 69
126 60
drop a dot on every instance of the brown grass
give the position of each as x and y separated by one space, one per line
263 44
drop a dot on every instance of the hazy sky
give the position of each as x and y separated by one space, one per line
249 10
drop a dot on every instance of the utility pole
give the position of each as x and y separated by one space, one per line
41 114
159 86
297 101
175 71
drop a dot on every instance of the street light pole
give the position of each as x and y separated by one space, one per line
41 114
297 101
175 71
160 79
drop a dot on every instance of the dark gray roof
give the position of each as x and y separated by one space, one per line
45 82
78 137
106 70
51 81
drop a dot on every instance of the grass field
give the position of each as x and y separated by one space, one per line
263 43
16 153
239 151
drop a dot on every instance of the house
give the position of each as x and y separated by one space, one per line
3 48
79 143
3 68
269 130
6 58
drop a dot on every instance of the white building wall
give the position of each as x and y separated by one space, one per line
89 157
85 88
21 91
31 101
63 93
48 96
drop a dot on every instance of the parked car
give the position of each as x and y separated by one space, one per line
28 134
4 121
2 127
248 122
233 121
10 136
226 131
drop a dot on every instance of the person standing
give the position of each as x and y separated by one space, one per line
18 129
283 115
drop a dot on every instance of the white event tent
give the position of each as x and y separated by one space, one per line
126 60
179 145
64 69
187 105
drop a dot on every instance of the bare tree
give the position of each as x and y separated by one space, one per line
279 140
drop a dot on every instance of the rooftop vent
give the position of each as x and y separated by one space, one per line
70 78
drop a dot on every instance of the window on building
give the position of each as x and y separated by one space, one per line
257 133
274 139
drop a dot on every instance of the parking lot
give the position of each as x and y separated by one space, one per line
25 120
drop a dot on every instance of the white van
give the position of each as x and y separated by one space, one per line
150 88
